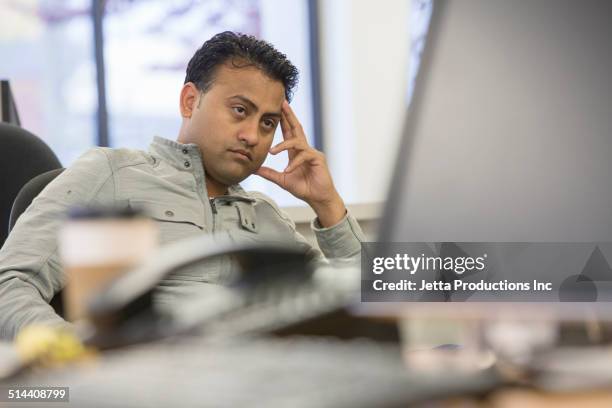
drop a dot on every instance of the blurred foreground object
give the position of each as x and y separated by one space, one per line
48 346
99 245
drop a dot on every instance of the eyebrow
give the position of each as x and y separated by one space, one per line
253 106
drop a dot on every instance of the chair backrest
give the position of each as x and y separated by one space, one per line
23 156
29 192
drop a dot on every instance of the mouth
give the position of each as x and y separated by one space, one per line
243 153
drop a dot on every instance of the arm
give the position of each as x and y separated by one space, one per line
30 272
340 241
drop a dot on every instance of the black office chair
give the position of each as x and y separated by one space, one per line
27 167
24 156
29 192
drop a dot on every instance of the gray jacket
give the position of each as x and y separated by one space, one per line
168 181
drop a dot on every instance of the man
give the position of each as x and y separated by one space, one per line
235 95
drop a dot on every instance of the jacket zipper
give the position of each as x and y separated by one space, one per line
213 207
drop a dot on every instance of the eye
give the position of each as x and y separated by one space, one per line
239 110
269 123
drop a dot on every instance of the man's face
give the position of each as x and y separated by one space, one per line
233 123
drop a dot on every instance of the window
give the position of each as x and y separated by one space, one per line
48 51
47 54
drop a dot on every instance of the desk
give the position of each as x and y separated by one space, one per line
290 372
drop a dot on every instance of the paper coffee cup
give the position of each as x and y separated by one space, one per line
97 247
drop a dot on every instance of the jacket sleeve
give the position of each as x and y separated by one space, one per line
340 241
30 271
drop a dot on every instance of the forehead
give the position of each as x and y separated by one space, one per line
250 82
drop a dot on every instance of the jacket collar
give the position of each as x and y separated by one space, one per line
175 153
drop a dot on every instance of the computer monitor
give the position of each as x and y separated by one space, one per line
8 108
508 138
509 133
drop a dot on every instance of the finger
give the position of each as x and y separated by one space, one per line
291 131
296 144
271 175
287 132
299 159
291 117
292 120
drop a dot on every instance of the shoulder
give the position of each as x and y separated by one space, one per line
105 158
102 162
123 157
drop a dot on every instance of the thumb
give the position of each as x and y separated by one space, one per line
271 175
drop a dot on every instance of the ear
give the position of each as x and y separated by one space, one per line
189 99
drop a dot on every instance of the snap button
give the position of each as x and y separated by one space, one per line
169 213
187 164
185 151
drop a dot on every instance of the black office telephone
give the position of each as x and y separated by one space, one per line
276 292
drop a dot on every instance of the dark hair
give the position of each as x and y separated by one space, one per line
241 50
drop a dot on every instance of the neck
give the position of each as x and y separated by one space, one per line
214 188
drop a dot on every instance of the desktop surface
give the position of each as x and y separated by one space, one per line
252 371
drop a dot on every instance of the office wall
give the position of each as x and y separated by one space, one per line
364 54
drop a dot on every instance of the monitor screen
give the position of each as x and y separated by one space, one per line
509 133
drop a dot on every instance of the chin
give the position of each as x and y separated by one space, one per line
235 178
229 175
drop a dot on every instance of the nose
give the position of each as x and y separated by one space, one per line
248 134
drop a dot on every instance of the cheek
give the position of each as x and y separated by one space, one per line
214 128
260 159
262 152
213 141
